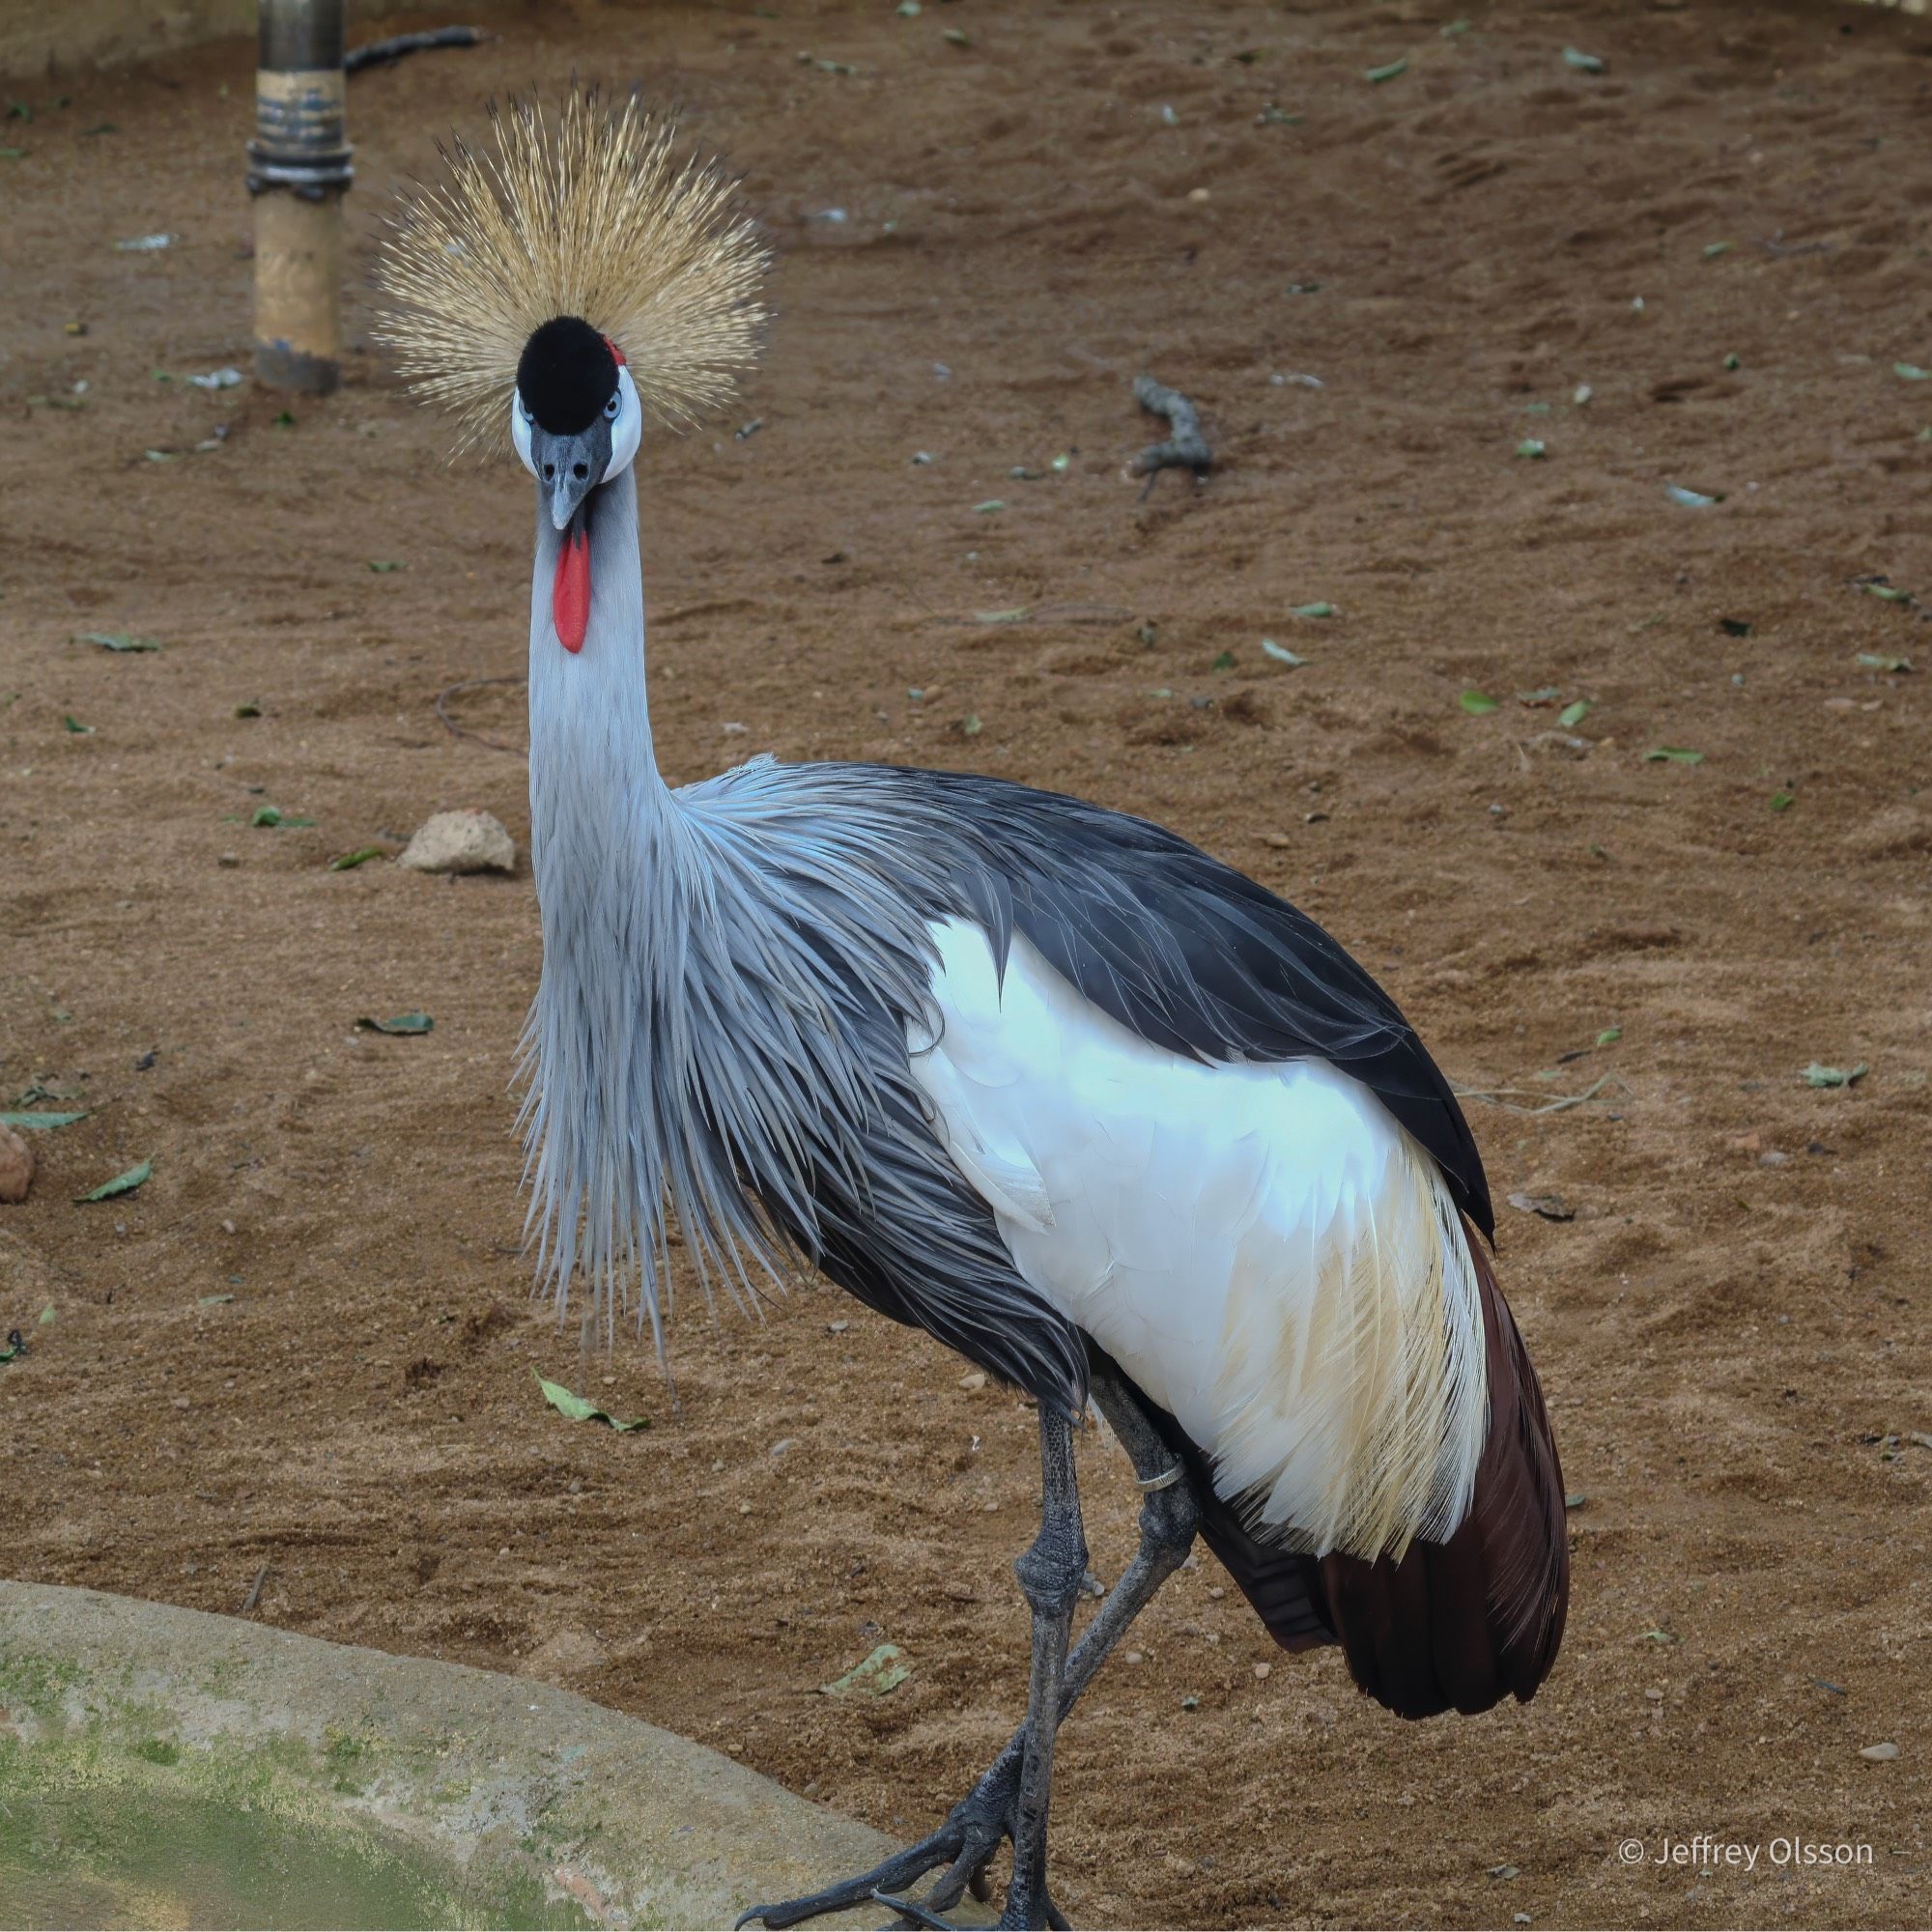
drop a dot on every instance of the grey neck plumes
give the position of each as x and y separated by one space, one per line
600 817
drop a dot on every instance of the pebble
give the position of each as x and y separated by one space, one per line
469 840
16 1166
779 1448
229 859
1263 1672
1133 1656
1880 1753
975 1380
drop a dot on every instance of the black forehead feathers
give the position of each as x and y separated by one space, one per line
565 374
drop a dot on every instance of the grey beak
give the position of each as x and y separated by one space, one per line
569 466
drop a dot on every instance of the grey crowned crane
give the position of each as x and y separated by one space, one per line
1043 1080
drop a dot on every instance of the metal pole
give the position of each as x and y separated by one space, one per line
299 171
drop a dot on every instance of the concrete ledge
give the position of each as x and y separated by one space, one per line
166 1767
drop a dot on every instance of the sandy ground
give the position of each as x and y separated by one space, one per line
305 1342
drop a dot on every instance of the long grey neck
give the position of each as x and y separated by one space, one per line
594 783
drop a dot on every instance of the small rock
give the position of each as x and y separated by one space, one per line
229 860
975 1380
1880 1753
779 1448
1263 1672
1133 1656
16 1166
461 841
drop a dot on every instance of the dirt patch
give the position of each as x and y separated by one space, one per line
1733 1329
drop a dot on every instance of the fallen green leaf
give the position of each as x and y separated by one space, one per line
1478 703
886 1670
1312 611
1455 29
46 1319
578 1409
347 861
1673 754
1533 448
1062 464
1658 1635
122 1183
1573 715
15 1343
271 819
1609 1036
1734 627
213 1300
1584 63
972 727
286 420
1281 654
1015 616
42 1123
1819 1075
1783 801
1223 661
1886 593
1581 394
74 726
1872 660
1732 363
382 569
117 641
1713 249
401 1023
1911 372
991 506
1689 499
1394 70
1544 694
957 36
248 711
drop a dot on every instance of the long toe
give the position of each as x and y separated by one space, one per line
885 1879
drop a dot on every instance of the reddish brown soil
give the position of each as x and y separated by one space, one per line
1737 1313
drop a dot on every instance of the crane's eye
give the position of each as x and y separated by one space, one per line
611 407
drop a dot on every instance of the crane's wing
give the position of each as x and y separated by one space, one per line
1189 953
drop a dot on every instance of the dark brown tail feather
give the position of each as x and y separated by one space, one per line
1454 1625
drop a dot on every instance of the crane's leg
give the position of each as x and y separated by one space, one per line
966 1842
1051 1573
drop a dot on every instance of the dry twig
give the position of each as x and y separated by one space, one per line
1185 449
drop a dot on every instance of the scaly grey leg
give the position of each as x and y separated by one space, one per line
966 1842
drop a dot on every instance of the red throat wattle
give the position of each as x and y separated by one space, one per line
569 590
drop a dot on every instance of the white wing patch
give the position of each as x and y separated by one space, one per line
1260 1247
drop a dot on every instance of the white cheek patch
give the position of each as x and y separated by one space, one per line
628 431
519 432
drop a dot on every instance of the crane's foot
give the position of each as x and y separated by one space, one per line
961 1850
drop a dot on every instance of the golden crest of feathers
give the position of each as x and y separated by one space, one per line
588 215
